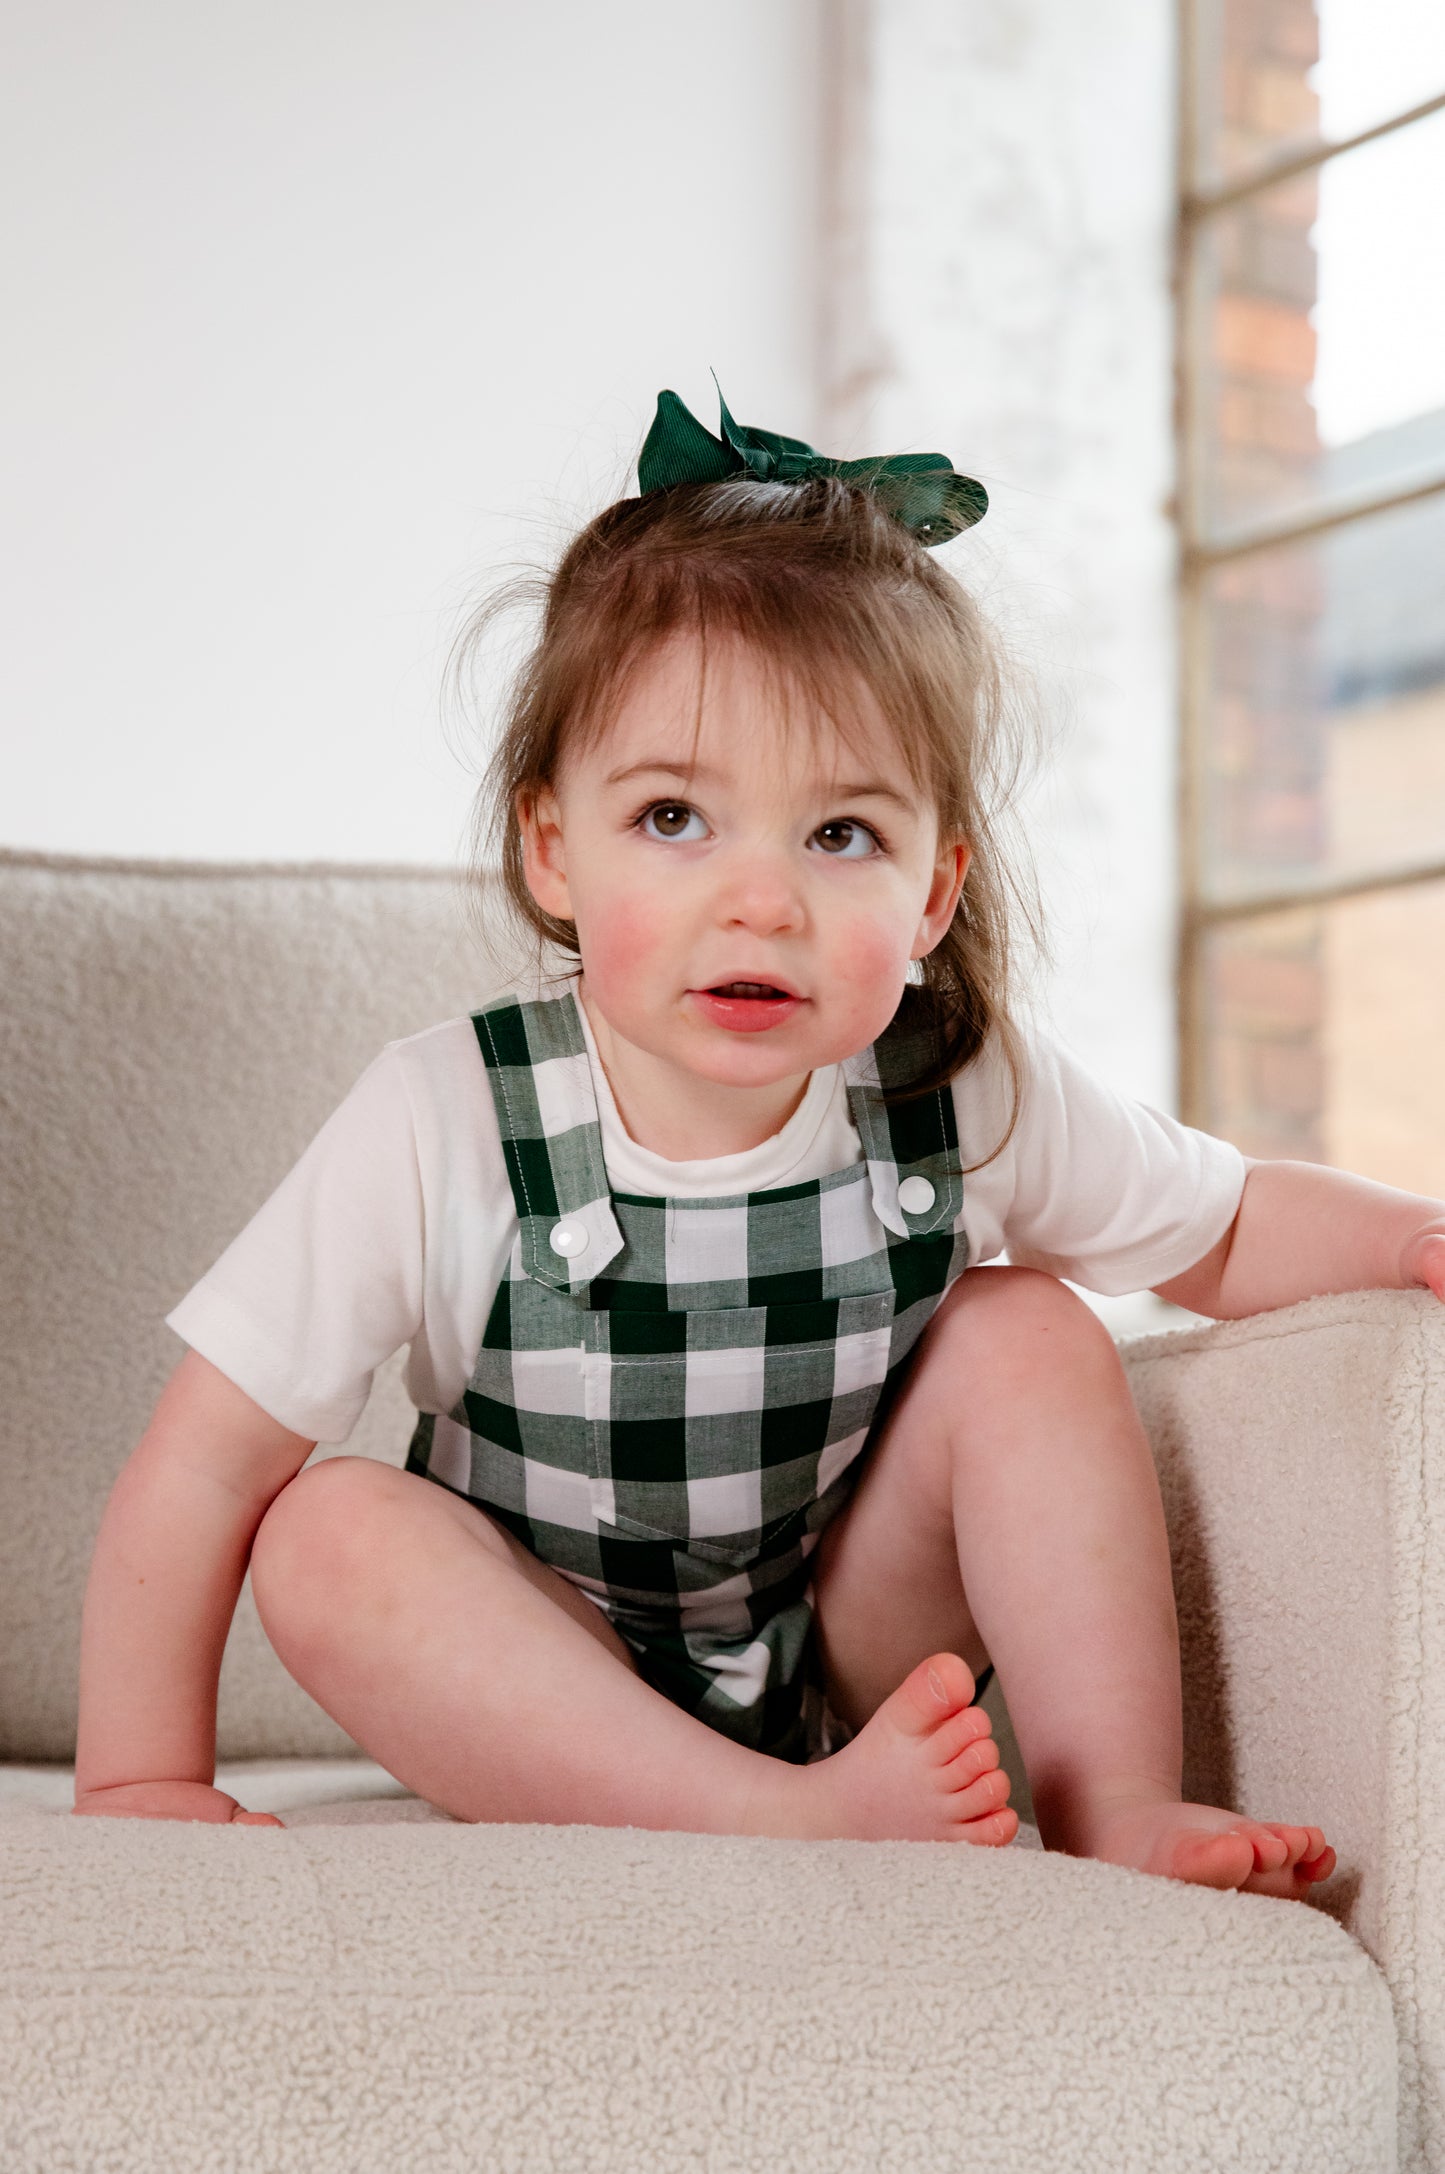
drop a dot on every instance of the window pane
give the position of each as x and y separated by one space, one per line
1324 721
1325 1034
1377 57
1320 308
1274 76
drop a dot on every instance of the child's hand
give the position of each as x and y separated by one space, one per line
1424 1261
169 1800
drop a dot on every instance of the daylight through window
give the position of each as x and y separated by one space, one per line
1312 506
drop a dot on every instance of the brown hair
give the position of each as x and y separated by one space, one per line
830 593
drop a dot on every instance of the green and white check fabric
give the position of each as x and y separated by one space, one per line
672 1397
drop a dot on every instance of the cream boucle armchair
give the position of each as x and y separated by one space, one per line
380 1987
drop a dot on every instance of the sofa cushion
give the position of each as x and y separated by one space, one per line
283 1786
439 1996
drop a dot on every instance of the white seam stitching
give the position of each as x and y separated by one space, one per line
500 1071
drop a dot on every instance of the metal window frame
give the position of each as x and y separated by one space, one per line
1202 548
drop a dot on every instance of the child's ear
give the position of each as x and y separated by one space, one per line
948 873
544 862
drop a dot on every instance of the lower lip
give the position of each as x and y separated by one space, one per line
745 1014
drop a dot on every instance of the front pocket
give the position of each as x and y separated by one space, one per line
721 1426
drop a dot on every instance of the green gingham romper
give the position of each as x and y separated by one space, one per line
674 1397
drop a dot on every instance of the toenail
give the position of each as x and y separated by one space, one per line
935 1685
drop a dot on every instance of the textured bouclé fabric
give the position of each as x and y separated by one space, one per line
379 1986
622 2002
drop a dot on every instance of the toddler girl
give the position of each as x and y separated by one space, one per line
736 1469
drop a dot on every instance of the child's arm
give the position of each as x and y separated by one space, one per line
169 1561
1302 1230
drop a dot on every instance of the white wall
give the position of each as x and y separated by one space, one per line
324 307
1013 309
1001 200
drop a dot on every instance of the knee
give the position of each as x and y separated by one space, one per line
316 1531
998 1309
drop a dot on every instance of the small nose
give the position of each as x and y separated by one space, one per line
760 893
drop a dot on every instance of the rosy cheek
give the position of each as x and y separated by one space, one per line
621 938
870 951
870 965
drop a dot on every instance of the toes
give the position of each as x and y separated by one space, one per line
1299 1858
1284 1860
1302 1846
1279 1848
961 1733
1272 1846
993 1831
989 1793
980 1756
1315 1862
1297 1843
1288 1884
930 1693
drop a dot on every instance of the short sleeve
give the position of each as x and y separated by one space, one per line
1095 1187
326 1280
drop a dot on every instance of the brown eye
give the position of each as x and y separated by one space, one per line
845 841
670 819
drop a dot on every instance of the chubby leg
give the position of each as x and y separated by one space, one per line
1014 1470
471 1671
494 1688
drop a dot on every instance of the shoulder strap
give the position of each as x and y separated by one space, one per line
546 1109
903 1140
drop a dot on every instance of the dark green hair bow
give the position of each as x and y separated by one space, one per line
919 489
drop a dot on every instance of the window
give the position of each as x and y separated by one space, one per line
1312 513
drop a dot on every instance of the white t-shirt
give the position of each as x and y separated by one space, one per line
396 1224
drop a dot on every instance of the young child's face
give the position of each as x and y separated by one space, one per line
746 909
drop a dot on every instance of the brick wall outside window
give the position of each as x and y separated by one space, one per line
1315 662
1264 983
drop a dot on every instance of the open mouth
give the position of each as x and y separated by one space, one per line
747 1007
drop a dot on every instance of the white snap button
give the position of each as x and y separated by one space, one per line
570 1238
916 1196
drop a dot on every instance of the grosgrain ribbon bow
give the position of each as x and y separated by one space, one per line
921 490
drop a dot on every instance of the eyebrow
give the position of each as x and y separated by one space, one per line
860 789
668 769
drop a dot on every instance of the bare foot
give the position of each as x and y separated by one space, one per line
1211 1848
923 1769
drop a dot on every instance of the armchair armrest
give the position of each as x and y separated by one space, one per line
1302 1460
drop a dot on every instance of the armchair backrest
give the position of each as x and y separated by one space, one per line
171 1037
